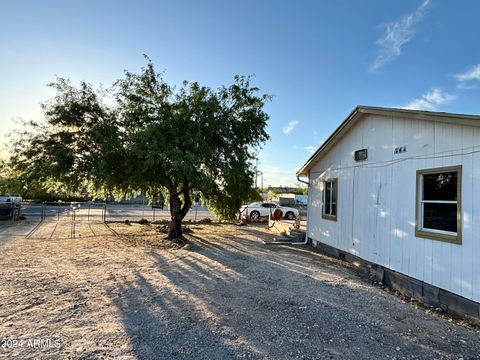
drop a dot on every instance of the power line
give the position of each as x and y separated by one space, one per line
380 164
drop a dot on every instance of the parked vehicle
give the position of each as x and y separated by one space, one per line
258 209
16 199
10 206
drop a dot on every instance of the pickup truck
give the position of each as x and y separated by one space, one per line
9 206
17 199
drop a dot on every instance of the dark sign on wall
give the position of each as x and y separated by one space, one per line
361 155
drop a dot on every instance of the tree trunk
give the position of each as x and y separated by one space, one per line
175 231
178 212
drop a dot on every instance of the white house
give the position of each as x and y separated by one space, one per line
401 189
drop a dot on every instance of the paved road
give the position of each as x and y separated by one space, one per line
113 212
94 213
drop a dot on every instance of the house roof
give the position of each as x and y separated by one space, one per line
361 110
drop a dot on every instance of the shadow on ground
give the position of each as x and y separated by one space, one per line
232 297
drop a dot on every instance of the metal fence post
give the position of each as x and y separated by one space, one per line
73 222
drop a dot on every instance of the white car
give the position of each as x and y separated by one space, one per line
257 209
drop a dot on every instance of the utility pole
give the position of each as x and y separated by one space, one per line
262 182
256 172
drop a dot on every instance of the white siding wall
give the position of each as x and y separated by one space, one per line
376 199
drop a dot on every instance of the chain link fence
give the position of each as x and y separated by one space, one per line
102 212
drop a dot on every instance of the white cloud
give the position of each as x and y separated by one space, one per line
471 74
311 149
467 79
275 176
287 129
397 34
430 101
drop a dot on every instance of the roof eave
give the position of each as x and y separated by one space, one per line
303 171
460 119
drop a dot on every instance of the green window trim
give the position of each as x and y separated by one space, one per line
425 233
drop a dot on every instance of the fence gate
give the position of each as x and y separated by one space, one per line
74 211
67 220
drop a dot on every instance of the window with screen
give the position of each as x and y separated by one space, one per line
330 195
439 204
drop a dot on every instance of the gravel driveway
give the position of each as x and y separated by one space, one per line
120 292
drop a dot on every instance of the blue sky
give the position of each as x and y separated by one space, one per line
318 58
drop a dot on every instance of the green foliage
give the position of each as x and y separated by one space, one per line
154 138
9 182
298 190
12 182
226 205
76 147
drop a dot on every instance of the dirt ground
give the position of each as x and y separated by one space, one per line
121 292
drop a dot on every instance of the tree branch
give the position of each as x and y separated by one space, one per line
187 201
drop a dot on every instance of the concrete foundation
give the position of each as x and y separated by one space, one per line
449 302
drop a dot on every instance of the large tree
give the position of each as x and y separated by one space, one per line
152 137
